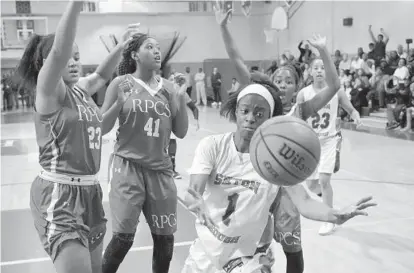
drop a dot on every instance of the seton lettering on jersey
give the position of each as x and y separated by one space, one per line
295 159
87 113
221 237
159 107
164 220
328 106
226 180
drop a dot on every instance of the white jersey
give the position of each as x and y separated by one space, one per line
237 198
324 121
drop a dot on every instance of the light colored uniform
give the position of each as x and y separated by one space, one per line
324 123
238 200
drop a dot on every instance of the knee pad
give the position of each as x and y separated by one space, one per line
118 247
163 247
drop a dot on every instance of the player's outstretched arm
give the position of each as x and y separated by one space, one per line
318 211
50 89
332 80
103 73
222 17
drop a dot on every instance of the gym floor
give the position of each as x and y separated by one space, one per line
373 162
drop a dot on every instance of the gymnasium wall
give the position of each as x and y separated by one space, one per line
326 17
203 35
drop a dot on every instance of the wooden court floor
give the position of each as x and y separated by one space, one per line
376 165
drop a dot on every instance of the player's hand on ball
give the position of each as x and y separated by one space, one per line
199 207
317 41
350 212
223 17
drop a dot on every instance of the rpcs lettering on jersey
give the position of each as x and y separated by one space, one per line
226 180
289 238
160 221
144 106
88 113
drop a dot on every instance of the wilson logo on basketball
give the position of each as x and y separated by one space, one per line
272 171
295 159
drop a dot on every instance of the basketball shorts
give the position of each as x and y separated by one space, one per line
286 216
329 147
64 209
133 189
199 262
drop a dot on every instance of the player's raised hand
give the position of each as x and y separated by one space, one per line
350 212
317 41
124 91
199 207
129 32
223 16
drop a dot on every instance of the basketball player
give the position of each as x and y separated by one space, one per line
287 218
66 198
234 211
324 124
172 148
142 176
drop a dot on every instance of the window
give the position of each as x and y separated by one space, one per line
24 34
23 7
20 24
200 6
89 6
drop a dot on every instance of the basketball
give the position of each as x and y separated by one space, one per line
285 151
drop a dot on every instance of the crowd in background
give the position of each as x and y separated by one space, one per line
372 79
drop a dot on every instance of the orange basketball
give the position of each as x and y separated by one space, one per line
285 151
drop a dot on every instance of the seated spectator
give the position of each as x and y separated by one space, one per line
348 88
365 66
386 68
345 64
410 57
376 88
305 53
343 77
393 60
403 99
356 64
409 114
401 73
400 52
235 85
360 52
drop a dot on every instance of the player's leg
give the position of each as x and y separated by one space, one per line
160 209
203 94
62 231
126 197
97 222
287 231
326 168
172 151
198 94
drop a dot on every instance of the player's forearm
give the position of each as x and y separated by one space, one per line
332 79
107 67
317 211
109 118
180 121
235 55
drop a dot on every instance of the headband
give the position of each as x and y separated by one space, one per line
258 90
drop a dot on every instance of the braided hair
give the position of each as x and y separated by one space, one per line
127 64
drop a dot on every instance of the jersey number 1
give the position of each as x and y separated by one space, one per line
148 127
230 208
